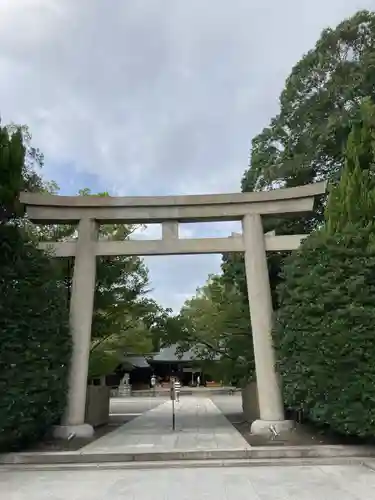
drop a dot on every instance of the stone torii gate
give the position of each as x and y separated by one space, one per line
250 208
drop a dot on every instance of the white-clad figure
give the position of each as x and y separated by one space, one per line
198 380
153 384
177 388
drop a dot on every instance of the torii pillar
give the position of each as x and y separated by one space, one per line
81 309
271 406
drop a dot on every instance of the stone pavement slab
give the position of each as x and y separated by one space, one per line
354 482
199 426
134 407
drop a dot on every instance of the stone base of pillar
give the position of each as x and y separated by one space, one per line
124 390
262 427
66 431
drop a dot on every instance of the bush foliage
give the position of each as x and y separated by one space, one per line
324 331
35 342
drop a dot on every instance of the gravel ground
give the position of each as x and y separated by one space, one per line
302 435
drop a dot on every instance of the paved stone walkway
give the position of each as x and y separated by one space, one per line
223 483
199 426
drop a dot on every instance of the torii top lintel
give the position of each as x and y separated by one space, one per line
47 209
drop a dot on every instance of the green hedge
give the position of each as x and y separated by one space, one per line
35 345
325 330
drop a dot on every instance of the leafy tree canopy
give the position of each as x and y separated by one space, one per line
125 319
35 343
324 330
305 141
20 166
214 324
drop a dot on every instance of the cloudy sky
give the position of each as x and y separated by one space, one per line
153 97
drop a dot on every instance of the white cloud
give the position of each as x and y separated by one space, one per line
154 96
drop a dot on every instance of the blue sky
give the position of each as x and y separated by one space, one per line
152 97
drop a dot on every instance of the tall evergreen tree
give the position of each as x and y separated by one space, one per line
324 326
352 201
12 156
35 343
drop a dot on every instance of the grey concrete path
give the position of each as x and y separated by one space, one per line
229 405
354 482
200 425
134 407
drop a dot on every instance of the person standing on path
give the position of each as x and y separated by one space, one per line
177 388
153 384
